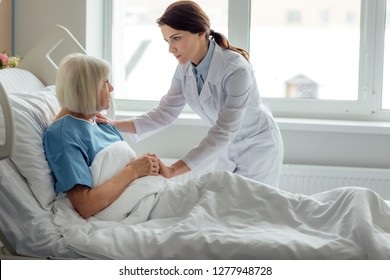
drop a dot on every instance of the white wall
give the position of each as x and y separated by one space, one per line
33 19
354 144
5 26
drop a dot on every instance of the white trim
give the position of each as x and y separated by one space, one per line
239 29
94 40
334 126
107 29
378 57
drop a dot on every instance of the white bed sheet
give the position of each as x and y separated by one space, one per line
222 215
218 216
27 226
225 216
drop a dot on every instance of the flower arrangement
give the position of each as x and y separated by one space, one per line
7 61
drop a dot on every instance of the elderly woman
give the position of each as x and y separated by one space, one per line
72 141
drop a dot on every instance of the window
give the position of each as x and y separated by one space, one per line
312 59
293 16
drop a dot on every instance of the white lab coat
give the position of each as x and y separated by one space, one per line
243 136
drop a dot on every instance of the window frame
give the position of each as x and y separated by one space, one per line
371 56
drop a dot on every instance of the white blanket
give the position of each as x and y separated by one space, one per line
110 161
226 216
136 202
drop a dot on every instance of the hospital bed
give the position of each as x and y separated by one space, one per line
215 216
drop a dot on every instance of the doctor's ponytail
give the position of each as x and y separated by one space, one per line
223 42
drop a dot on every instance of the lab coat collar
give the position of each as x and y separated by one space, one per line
215 68
215 71
203 67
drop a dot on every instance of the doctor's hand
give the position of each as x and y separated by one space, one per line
100 118
125 125
178 168
165 171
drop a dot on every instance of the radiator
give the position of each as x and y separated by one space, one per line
310 179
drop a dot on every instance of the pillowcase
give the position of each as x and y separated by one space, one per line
33 113
18 80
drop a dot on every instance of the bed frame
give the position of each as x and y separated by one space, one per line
8 145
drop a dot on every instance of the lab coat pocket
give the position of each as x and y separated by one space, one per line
210 97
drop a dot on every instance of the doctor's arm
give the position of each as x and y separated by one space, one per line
176 169
167 111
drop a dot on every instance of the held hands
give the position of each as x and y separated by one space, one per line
150 164
145 165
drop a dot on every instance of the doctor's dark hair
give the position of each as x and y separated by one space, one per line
79 81
189 16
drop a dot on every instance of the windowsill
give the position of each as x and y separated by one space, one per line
340 126
188 119
294 124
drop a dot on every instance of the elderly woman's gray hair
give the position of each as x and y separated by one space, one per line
80 78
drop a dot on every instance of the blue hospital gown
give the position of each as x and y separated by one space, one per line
71 145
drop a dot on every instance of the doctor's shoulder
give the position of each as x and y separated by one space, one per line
234 60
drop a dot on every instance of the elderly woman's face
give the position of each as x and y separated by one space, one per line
105 93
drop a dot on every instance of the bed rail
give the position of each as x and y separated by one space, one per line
9 125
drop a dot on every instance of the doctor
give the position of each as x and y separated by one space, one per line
216 80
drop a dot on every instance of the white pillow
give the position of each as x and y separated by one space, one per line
18 80
115 156
33 112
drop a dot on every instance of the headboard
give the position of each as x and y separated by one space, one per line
39 61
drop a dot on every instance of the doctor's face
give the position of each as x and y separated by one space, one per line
184 45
